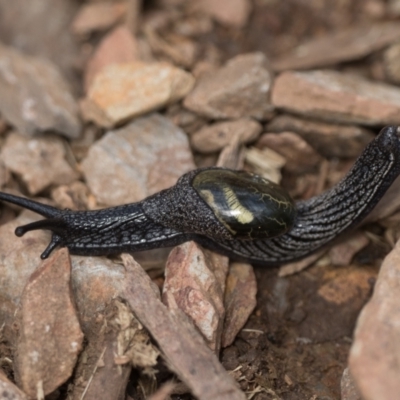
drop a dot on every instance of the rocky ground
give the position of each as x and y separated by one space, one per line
106 102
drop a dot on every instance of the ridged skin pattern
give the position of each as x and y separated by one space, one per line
178 214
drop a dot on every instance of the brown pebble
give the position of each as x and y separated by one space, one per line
239 89
213 138
50 336
337 97
39 161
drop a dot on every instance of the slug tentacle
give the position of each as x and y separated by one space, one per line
233 212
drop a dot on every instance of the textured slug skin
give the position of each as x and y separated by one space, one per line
178 214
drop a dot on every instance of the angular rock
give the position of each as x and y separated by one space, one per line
266 163
232 156
239 89
18 258
26 26
187 120
35 98
39 162
214 137
8 391
124 91
50 337
374 360
342 45
100 16
233 13
179 49
330 140
73 196
190 278
95 282
337 97
119 46
133 162
239 300
299 155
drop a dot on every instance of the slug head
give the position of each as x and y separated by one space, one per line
249 206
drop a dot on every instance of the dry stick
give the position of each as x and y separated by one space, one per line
94 371
182 346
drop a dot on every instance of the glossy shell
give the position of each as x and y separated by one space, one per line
249 206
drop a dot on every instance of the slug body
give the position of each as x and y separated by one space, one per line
235 213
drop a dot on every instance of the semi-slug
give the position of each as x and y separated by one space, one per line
235 213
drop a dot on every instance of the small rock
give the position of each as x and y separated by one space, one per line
50 337
391 61
343 253
94 17
73 196
342 45
26 26
18 258
374 359
215 137
39 161
338 97
348 388
119 46
239 300
124 91
266 163
178 49
239 89
133 162
233 13
330 140
187 120
350 284
191 277
232 156
299 155
35 98
8 391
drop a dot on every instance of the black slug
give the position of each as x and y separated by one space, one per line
235 213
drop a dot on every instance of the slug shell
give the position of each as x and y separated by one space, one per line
249 206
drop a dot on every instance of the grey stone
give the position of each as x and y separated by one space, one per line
130 163
34 96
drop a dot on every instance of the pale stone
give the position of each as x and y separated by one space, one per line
133 162
215 137
34 96
124 91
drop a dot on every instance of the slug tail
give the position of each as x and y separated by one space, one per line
42 209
